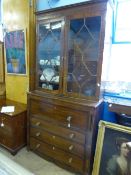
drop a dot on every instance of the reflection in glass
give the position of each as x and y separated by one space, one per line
83 41
48 54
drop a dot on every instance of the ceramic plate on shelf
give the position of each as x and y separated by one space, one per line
48 73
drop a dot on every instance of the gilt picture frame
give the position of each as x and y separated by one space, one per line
15 52
112 141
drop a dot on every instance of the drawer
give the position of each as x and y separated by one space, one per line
57 141
119 108
56 154
58 130
65 115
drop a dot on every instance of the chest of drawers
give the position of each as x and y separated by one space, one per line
13 126
63 131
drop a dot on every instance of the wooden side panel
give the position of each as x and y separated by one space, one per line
2 72
1 63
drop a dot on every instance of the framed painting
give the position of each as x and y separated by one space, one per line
113 150
15 52
1 63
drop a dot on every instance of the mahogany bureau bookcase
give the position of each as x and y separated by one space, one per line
65 99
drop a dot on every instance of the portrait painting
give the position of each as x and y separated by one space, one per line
15 52
113 150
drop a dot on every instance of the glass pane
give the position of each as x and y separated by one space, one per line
83 55
48 55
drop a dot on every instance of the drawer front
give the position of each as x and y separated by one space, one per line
118 108
57 154
58 130
58 141
65 115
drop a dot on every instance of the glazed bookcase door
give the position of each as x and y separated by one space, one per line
83 56
49 55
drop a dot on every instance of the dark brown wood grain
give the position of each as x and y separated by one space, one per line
120 108
57 154
61 114
59 130
46 126
62 124
14 132
58 141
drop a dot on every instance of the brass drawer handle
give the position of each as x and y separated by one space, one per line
37 134
53 137
71 147
69 118
37 124
37 146
2 123
70 160
72 135
69 125
69 121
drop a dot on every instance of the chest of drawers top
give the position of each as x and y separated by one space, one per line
18 107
